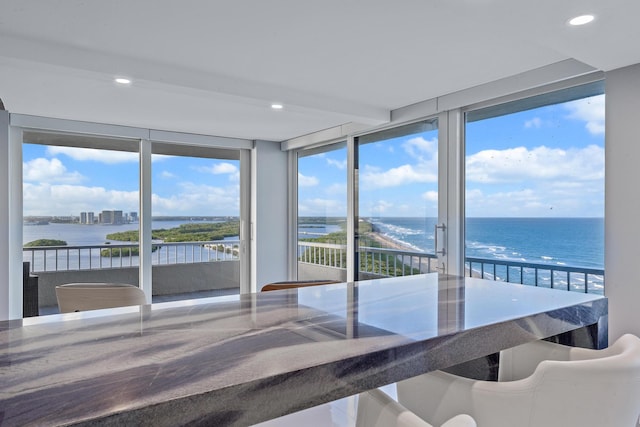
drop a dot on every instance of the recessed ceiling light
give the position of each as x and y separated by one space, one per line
122 81
581 20
277 106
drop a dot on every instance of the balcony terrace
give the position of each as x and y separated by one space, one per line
193 269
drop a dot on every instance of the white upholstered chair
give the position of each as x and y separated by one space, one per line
580 388
92 296
377 409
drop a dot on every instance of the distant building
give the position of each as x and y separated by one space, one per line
111 217
133 216
86 218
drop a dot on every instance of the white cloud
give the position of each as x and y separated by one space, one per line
590 110
221 169
160 157
379 207
167 175
193 199
340 164
534 123
540 163
307 181
52 171
401 175
198 199
64 199
423 170
419 146
320 206
430 196
549 199
224 168
92 154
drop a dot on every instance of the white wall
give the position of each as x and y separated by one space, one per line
269 214
622 200
4 215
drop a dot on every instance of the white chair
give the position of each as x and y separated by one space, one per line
74 297
377 409
582 388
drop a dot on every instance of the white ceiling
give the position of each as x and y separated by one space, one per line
215 67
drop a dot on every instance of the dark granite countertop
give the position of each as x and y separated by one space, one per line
238 360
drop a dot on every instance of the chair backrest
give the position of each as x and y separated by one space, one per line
92 296
295 284
377 409
594 391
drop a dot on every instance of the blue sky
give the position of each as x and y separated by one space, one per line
543 162
67 181
546 162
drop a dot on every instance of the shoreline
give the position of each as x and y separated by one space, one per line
391 243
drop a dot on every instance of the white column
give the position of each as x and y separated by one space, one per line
245 221
10 220
292 212
5 300
622 200
145 279
269 214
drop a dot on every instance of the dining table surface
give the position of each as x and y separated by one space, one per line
243 359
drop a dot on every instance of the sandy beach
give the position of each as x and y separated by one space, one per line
387 242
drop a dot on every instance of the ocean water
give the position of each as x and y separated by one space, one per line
95 235
79 234
575 242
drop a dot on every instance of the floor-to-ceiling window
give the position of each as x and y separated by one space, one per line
169 216
535 190
397 200
195 222
80 193
322 213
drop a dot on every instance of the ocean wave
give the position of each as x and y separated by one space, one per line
496 239
402 242
396 229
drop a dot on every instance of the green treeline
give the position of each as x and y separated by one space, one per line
196 232
123 252
45 242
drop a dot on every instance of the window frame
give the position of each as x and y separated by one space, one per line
125 139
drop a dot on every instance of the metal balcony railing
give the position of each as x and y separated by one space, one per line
75 258
373 261
391 263
587 280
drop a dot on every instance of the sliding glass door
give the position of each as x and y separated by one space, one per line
322 213
195 210
396 182
80 208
